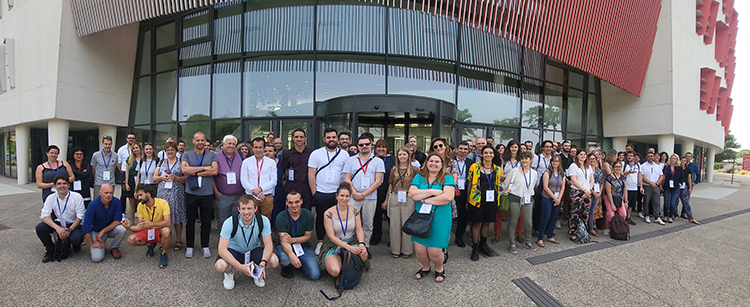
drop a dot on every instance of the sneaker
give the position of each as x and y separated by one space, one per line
317 248
658 220
116 253
530 246
259 283
229 281
150 250
513 249
557 224
606 232
189 252
206 252
648 220
640 214
287 271
163 261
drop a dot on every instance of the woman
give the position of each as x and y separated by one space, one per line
596 191
244 149
433 190
134 160
343 224
686 189
617 193
484 198
671 186
147 169
522 147
620 156
606 166
573 151
47 171
581 182
398 206
510 158
440 147
171 180
83 176
663 158
499 151
553 184
412 155
519 186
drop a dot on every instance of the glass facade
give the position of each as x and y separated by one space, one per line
254 67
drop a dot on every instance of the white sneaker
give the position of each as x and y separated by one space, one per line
658 220
206 252
606 232
229 281
648 220
317 248
557 224
189 252
640 214
259 283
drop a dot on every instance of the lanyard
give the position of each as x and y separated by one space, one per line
230 161
170 168
148 167
329 157
490 176
557 181
347 219
514 165
401 177
295 232
153 211
363 168
106 161
528 182
64 208
252 231
461 165
259 168
57 167
546 161
196 157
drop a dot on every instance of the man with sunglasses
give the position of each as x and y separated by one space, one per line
365 174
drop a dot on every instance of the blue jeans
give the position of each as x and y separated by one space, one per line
592 208
547 216
670 202
309 262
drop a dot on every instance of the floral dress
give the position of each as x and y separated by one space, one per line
174 196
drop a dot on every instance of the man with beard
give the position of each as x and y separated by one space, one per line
294 163
420 156
345 141
365 174
153 224
200 165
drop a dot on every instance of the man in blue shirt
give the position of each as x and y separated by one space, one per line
295 226
103 221
243 251
693 168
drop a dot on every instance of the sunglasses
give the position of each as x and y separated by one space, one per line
364 144
436 146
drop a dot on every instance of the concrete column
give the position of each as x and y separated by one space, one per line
666 143
108 130
688 146
710 157
23 141
57 134
619 143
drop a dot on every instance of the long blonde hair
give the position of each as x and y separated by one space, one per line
397 165
132 157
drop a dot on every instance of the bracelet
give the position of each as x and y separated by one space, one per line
264 260
363 243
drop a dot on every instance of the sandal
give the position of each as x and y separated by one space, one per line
446 257
593 233
177 246
421 274
406 256
553 240
575 240
396 255
440 275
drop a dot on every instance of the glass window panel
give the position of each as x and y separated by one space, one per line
188 129
477 96
471 133
221 128
166 97
340 122
594 141
504 135
593 114
484 49
165 131
166 61
293 23
195 54
423 132
377 130
258 129
556 136
165 35
532 103
278 88
396 136
195 25
575 111
576 139
336 79
553 106
575 80
422 82
287 130
146 53
340 28
593 84
414 33
226 90
533 135
533 64
143 102
446 129
227 31
555 74
195 89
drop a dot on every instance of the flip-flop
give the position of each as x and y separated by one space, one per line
396 255
421 274
177 245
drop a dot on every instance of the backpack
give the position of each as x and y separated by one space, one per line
619 229
350 275
581 233
236 223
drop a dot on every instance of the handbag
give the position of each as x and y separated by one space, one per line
419 224
192 183
504 204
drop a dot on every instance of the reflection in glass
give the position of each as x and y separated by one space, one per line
471 133
143 102
195 89
166 61
163 132
576 139
165 35
263 28
336 79
166 97
483 49
356 28
414 33
423 132
187 130
287 131
476 97
593 114
226 90
532 103
146 53
227 32
553 136
575 80
396 136
503 135
278 88
533 64
446 128
533 135
377 130
340 122
422 82
553 106
221 128
575 111
555 74
195 25
258 129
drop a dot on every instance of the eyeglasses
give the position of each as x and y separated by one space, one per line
364 144
436 146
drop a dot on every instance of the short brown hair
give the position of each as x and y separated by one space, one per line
246 199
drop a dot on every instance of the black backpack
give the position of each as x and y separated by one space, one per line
619 229
351 272
236 223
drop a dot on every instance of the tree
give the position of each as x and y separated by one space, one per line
730 144
744 152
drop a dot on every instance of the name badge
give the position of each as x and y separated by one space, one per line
124 167
105 175
671 184
151 234
683 185
146 181
231 178
489 196
167 184
527 198
298 249
247 257
425 209
291 175
365 183
329 176
200 182
401 196
596 187
557 194
462 184
77 185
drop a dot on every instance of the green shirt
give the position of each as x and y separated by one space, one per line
306 221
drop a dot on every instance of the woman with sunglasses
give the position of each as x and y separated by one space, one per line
147 169
82 174
133 163
553 185
581 184
484 198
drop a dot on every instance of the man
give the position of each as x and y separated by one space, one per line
471 147
294 165
555 147
295 226
652 151
421 157
103 166
463 163
153 225
124 152
279 147
365 174
209 146
68 208
632 172
345 141
200 165
103 221
180 149
540 164
259 178
270 137
241 249
628 148
530 146
693 168
652 176
324 170
490 141
565 158
227 187
162 154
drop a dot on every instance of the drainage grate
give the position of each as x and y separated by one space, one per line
536 293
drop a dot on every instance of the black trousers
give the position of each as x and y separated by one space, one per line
536 211
43 231
322 202
194 203
377 221
462 214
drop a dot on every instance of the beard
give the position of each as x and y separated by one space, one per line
329 146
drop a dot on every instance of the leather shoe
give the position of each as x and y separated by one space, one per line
460 243
48 257
475 252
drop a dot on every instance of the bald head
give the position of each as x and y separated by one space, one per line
106 192
199 140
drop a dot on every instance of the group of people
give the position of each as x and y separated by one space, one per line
263 195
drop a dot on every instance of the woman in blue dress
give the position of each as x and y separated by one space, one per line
433 189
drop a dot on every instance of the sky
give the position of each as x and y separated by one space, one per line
740 125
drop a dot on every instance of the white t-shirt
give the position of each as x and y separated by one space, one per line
582 175
365 177
122 157
541 164
328 179
652 172
632 179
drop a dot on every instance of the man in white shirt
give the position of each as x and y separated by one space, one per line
365 174
124 152
258 177
324 170
632 171
69 210
651 178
